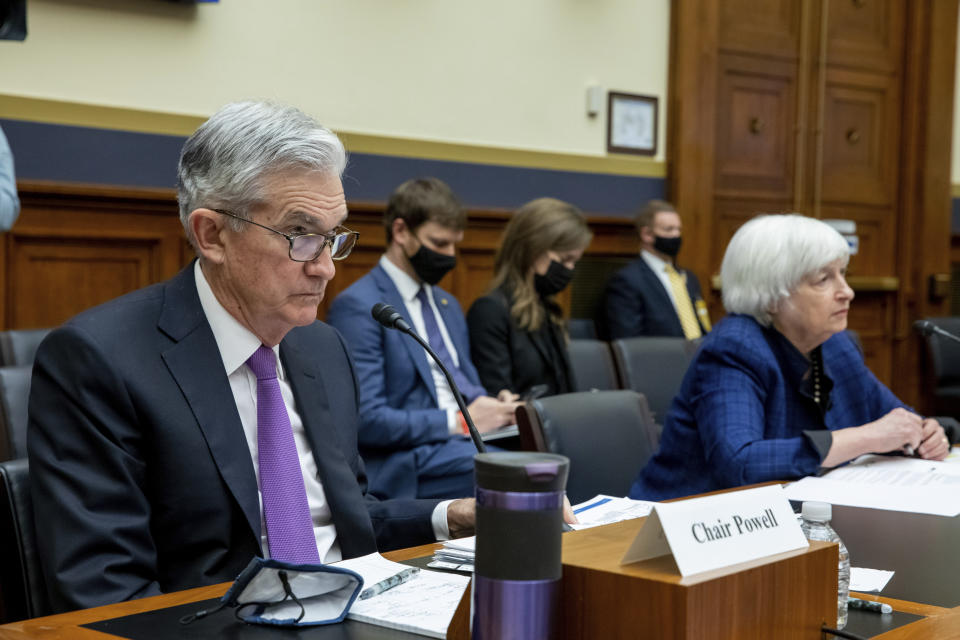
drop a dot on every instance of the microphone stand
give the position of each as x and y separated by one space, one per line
472 428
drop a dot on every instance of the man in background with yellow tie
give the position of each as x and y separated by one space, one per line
651 296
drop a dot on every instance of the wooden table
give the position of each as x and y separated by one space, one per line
940 622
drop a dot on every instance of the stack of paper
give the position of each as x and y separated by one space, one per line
424 604
458 555
887 482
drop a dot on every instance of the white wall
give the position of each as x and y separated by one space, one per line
504 73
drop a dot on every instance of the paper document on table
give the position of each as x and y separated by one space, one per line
425 605
887 482
607 510
372 567
869 580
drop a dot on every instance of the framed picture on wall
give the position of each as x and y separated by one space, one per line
631 123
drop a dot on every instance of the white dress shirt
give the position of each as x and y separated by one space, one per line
408 288
236 344
660 268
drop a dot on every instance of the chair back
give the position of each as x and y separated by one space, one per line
592 365
22 586
944 370
14 397
581 329
19 346
606 435
653 366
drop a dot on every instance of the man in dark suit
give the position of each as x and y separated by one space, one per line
411 434
181 429
651 296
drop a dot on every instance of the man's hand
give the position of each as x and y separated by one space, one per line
462 517
934 445
490 413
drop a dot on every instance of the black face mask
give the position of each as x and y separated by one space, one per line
667 246
554 280
431 265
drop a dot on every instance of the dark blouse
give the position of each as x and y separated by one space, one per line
507 357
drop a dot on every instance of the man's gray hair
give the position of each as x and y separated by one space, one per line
227 160
770 255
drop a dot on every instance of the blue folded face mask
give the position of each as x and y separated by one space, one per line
289 595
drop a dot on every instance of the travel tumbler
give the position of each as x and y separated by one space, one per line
516 586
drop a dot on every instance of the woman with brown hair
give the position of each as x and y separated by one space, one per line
517 333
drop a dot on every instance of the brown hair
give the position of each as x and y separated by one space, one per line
645 216
541 225
422 200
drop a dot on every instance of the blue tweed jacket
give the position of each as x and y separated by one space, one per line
743 408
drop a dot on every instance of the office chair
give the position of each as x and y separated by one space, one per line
592 365
944 355
653 366
18 347
606 434
14 395
581 329
22 587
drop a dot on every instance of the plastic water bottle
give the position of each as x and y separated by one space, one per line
816 526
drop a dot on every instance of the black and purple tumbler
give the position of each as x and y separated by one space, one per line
516 587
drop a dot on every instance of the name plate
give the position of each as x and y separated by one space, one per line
718 531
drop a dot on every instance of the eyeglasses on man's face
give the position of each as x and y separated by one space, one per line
307 247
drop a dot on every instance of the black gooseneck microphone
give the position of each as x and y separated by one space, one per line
391 319
927 328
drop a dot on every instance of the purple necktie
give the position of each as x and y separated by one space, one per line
469 390
285 509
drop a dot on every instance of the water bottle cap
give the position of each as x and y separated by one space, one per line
817 511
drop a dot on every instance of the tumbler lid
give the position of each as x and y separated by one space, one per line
522 471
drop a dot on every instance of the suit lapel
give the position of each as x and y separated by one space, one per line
665 303
389 293
195 363
333 469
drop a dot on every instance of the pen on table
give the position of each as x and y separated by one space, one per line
389 583
908 451
869 605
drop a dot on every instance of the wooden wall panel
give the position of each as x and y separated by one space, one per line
756 105
76 246
863 34
760 26
861 138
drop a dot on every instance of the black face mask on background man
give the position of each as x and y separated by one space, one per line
667 246
554 280
430 266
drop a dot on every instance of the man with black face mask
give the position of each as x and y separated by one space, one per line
412 437
651 296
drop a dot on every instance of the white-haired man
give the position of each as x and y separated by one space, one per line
182 429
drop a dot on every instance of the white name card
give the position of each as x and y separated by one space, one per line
719 531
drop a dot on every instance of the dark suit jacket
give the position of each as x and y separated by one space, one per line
141 476
636 304
744 410
398 400
508 357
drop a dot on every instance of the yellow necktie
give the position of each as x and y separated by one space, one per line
688 318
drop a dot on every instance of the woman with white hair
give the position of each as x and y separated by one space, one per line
778 389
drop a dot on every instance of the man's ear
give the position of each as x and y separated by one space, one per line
646 235
399 230
208 232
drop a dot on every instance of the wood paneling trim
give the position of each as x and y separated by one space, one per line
76 245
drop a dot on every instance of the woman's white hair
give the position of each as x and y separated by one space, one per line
770 255
226 162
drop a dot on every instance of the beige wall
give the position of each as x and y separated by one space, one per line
504 73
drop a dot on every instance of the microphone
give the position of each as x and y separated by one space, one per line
391 319
927 328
